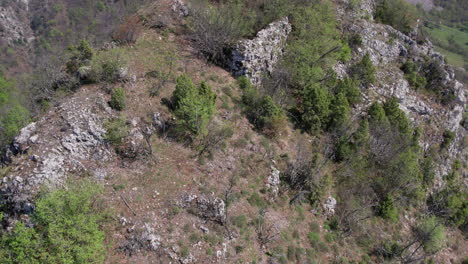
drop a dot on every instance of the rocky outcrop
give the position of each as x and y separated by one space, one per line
256 57
273 182
67 140
14 22
144 238
329 206
207 207
388 48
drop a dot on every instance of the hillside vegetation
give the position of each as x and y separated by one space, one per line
149 150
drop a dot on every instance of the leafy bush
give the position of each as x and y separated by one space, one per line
108 66
67 229
431 234
314 44
80 55
116 131
193 106
117 101
13 116
340 111
256 200
449 136
396 13
215 139
413 76
450 204
315 108
217 28
349 87
396 116
387 209
364 71
261 111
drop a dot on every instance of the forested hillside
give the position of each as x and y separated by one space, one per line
232 131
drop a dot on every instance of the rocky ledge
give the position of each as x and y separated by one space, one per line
255 57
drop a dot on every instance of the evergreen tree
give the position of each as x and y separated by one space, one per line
396 116
340 111
193 106
364 71
315 107
117 101
349 87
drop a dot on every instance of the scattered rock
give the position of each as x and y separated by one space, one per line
145 239
204 229
180 8
273 182
207 207
329 206
21 142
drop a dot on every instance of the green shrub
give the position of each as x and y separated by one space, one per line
116 131
117 101
396 13
67 229
313 237
193 106
315 108
13 116
450 204
431 235
427 171
349 87
256 200
449 136
396 116
355 40
364 71
261 111
240 221
340 111
345 53
387 209
79 56
377 113
413 76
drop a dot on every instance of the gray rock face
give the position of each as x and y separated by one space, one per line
14 26
61 143
255 57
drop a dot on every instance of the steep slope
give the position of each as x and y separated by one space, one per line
173 203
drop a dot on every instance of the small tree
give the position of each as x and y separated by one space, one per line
117 101
364 71
193 106
340 111
79 56
66 230
315 108
262 111
387 209
349 87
